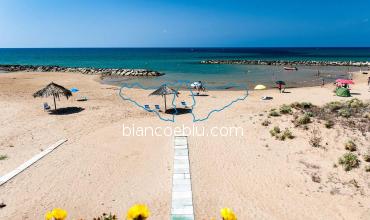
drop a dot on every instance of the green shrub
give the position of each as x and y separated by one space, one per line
285 109
275 131
287 134
274 113
3 157
346 113
355 103
329 124
350 145
349 161
304 119
333 106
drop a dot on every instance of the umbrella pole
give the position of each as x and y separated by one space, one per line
55 104
165 104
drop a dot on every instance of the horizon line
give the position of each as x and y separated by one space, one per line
198 47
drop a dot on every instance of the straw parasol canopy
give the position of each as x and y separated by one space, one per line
163 91
54 90
260 87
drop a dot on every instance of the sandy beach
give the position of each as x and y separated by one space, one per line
99 170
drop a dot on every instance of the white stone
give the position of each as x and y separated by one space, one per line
184 211
181 152
181 181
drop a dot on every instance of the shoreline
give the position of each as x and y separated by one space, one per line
305 77
102 80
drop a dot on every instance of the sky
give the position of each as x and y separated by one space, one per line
186 23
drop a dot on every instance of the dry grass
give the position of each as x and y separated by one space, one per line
351 114
106 217
315 139
285 109
366 157
278 134
367 168
266 123
349 161
354 114
350 146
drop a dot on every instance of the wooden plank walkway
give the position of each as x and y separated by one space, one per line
182 196
25 165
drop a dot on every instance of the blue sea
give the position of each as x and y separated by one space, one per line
183 63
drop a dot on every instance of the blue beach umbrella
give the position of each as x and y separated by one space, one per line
74 90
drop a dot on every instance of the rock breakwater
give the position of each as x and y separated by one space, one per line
287 63
90 71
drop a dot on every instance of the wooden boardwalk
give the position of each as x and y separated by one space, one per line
34 159
182 196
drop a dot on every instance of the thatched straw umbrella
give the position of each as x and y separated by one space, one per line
54 90
163 91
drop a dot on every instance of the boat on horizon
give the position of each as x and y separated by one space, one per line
290 68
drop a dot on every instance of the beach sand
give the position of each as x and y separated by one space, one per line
100 170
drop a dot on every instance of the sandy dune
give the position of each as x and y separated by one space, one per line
100 170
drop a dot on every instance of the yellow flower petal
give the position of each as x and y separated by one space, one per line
59 214
228 214
49 216
137 211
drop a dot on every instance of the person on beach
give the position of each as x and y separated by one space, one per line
322 82
368 81
279 87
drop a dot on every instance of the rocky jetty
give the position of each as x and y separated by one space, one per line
287 63
90 71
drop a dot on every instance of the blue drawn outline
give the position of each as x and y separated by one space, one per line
173 84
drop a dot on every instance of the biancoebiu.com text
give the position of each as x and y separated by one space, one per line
194 130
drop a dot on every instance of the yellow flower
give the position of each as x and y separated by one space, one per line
138 212
228 214
49 216
59 214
